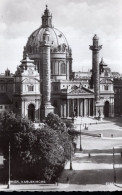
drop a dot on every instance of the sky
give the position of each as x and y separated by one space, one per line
79 20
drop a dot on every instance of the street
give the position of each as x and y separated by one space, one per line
94 165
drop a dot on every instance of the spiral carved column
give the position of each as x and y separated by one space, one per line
96 75
46 83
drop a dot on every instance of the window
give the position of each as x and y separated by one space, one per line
63 68
6 107
50 21
1 107
55 88
46 22
106 87
30 87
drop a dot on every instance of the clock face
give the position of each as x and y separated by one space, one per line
30 72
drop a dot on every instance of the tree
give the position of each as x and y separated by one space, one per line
10 126
35 154
55 122
52 156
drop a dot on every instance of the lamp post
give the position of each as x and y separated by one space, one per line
81 149
9 183
70 157
114 167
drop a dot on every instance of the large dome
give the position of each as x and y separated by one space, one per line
56 37
60 56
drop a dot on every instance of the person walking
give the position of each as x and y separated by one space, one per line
57 181
67 179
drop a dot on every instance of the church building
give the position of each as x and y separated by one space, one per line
45 82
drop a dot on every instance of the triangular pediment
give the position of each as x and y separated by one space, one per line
106 81
30 80
80 90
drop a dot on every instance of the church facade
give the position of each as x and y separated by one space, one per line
45 82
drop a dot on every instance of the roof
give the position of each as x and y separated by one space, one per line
56 37
4 99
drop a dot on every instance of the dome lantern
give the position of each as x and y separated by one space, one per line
47 18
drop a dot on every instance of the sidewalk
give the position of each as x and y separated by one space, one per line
34 187
61 187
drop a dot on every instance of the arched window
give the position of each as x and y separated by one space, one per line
63 68
46 22
50 21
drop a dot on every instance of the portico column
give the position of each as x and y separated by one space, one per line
94 111
84 107
61 111
89 106
77 107
24 108
73 105
67 108
81 107
65 112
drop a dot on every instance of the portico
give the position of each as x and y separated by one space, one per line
77 104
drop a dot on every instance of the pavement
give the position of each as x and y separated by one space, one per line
61 187
96 172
